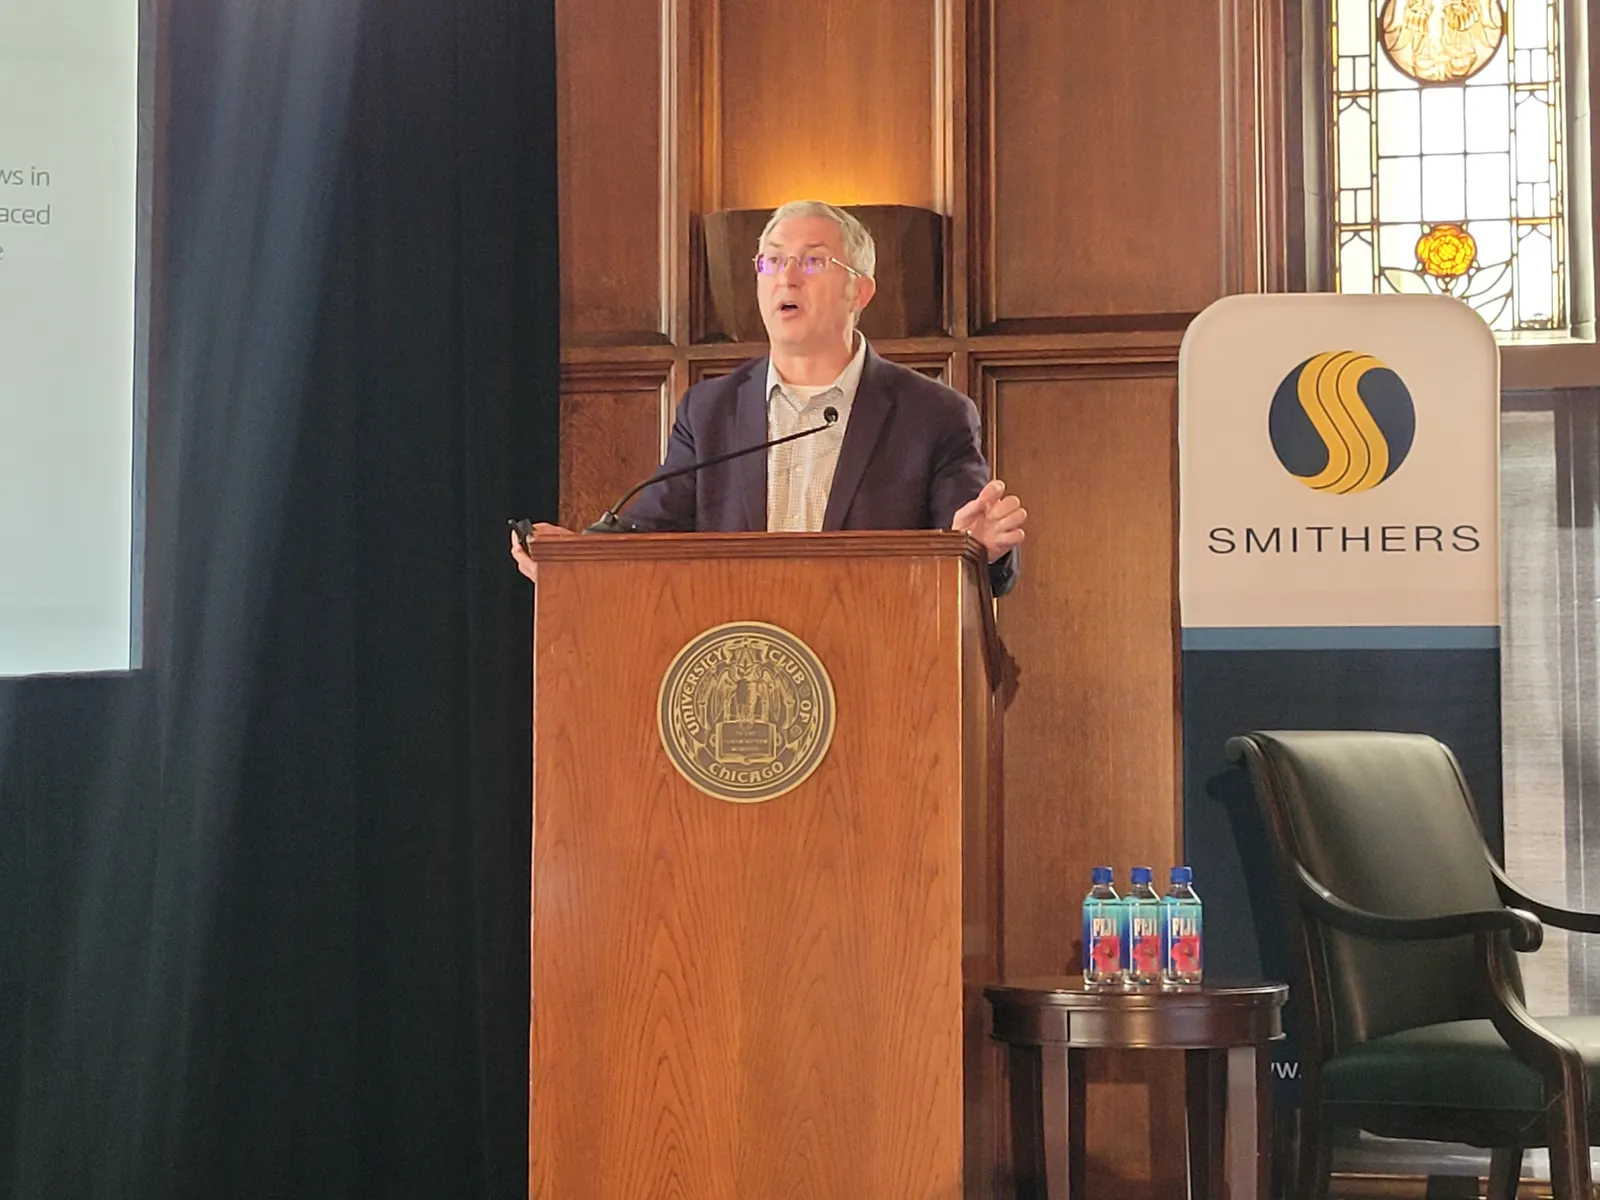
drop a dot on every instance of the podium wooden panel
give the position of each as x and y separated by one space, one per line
782 999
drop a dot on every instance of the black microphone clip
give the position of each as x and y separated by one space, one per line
609 522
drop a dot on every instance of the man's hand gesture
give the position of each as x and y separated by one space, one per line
994 518
524 560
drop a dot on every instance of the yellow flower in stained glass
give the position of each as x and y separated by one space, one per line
1446 251
1442 41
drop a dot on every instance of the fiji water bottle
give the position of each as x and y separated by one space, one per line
1181 958
1141 961
1102 934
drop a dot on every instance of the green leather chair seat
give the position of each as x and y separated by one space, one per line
1460 1065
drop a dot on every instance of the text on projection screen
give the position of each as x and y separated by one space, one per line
69 81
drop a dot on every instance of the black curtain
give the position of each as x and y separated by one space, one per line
272 889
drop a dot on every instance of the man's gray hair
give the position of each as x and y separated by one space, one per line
860 251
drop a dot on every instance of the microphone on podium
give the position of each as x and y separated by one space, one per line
612 523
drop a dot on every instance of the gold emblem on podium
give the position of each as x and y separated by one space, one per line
746 712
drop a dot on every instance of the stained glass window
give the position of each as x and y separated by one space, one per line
1446 140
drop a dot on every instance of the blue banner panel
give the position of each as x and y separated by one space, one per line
1451 694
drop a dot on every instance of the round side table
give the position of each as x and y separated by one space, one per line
1224 1029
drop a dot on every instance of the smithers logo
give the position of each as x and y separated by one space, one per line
1342 422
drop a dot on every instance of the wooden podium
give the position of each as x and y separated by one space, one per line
738 998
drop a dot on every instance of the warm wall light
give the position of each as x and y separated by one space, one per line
910 296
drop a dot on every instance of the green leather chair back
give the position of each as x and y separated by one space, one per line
1384 821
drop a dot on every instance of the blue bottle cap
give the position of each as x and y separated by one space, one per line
1141 875
1182 875
1101 875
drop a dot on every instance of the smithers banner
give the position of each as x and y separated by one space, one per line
1338 562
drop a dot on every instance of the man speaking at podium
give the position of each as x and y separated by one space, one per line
863 443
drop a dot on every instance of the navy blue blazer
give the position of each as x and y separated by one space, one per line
911 456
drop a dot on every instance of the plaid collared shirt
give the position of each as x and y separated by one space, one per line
800 473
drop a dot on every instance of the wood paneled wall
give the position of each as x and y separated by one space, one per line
830 98
1105 175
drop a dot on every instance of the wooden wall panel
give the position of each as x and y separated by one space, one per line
610 439
932 361
1093 623
609 71
1104 155
832 99
1092 763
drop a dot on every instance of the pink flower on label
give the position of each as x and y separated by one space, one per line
1106 953
1186 953
1147 954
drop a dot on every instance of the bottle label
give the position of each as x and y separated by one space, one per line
1102 940
1181 953
1144 944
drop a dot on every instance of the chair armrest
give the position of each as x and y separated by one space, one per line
1550 914
1524 931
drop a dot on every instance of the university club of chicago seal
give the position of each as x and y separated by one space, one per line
746 712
